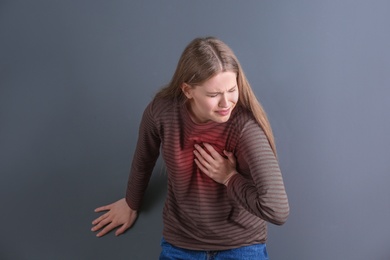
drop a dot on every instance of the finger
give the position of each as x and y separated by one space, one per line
212 151
106 229
202 152
201 167
200 158
99 219
205 165
103 208
101 224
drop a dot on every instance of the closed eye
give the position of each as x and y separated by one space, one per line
217 93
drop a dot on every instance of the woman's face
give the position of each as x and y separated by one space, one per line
213 100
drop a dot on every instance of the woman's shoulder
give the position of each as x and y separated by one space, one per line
242 116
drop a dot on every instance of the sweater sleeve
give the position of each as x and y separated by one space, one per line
144 159
262 191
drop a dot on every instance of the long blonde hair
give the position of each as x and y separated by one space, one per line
202 59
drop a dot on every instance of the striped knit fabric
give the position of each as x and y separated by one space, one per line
199 213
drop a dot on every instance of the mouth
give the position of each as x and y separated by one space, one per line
223 112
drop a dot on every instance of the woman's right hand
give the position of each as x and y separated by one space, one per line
118 214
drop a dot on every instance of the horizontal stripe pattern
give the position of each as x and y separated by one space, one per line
199 213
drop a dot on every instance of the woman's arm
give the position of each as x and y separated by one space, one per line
123 212
145 157
261 190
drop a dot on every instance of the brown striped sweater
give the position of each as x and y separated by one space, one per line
199 213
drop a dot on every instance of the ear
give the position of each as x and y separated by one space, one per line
187 90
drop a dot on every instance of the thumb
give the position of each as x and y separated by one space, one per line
229 155
122 229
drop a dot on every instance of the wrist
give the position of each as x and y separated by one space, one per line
228 178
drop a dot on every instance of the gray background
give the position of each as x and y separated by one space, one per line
75 77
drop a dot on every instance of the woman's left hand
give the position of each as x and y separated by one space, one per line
214 165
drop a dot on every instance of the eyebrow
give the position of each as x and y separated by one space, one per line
218 92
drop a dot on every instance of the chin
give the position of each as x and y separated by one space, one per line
221 119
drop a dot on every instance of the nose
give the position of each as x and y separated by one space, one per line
223 102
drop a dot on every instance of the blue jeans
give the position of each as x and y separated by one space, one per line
171 252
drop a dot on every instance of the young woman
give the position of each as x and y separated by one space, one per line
224 181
